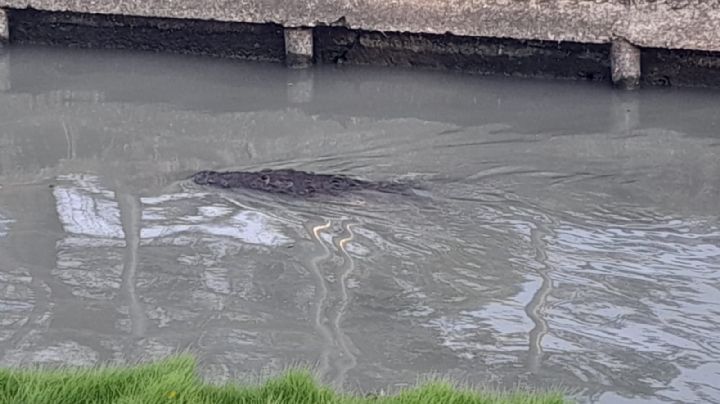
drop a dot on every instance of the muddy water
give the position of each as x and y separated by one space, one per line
565 235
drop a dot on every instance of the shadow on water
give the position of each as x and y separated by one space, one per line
567 236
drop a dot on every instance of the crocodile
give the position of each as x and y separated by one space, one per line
293 182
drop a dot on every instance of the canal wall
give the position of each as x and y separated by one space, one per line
627 42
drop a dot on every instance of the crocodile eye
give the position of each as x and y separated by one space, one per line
265 178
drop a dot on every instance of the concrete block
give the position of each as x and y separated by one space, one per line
4 28
298 47
625 64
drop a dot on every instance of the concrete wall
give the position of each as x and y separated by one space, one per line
634 24
681 24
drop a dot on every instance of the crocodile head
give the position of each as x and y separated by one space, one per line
206 177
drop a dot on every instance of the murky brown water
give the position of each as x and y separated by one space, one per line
567 235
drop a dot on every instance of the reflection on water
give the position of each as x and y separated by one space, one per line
85 209
165 220
542 251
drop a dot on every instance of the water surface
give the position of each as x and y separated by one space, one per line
566 235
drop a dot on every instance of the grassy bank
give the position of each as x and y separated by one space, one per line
175 381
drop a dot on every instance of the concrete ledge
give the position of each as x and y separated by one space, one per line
300 46
549 38
679 24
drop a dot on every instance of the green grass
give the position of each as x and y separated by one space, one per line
175 380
